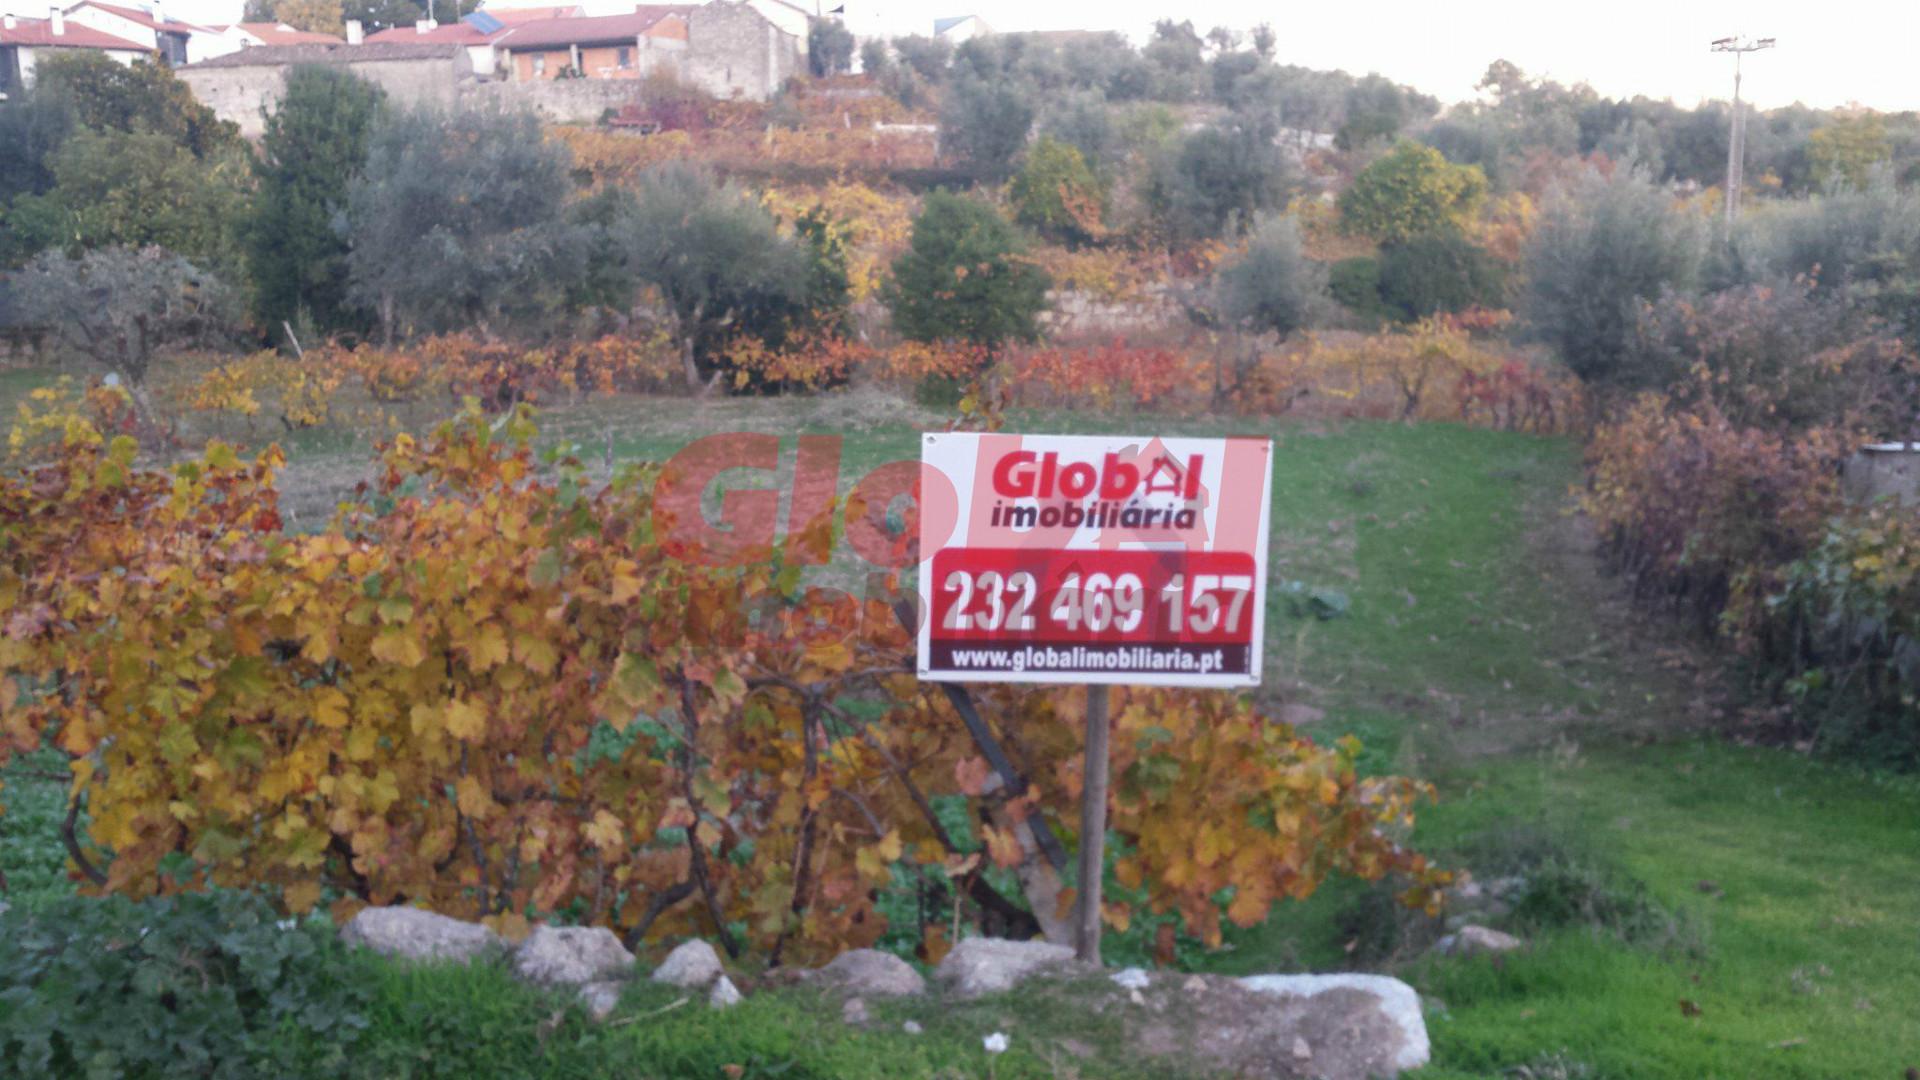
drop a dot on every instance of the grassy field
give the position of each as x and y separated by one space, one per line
1723 911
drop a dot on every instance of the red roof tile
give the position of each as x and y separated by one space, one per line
282 34
515 16
39 33
556 33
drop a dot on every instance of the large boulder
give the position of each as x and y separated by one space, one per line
414 934
991 965
571 956
1347 1025
872 973
691 964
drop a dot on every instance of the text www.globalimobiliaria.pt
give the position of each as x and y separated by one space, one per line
1190 659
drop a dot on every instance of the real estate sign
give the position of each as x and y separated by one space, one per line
1093 559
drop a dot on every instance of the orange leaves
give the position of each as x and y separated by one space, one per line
486 691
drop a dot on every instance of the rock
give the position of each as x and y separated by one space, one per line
1297 715
872 972
854 1012
600 998
1470 939
571 956
1301 1049
1136 997
912 1027
1195 984
990 965
692 964
1352 1025
416 934
725 995
1132 978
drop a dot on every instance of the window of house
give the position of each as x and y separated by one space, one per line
540 65
626 58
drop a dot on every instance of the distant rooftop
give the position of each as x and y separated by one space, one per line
39 34
594 30
275 55
282 34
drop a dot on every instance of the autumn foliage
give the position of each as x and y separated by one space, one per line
495 690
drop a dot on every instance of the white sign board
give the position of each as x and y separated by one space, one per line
1093 559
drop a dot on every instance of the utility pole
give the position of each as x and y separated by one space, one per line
1739 46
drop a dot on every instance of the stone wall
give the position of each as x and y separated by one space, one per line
245 93
1072 313
563 101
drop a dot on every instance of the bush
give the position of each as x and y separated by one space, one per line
717 259
1057 195
1216 181
965 277
1355 284
1600 250
502 691
1410 193
984 125
1782 356
205 984
1702 511
1273 287
458 220
1438 272
314 147
1840 637
119 307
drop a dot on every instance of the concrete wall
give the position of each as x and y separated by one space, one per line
734 51
244 94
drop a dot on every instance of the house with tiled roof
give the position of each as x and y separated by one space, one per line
25 42
597 47
479 33
174 41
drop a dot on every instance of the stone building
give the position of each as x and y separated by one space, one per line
734 50
244 86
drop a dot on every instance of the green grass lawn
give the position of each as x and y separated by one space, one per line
1482 652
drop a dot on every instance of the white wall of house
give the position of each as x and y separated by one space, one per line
109 23
30 56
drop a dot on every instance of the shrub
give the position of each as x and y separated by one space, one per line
314 146
966 277
1409 193
1057 195
1599 251
1355 285
984 125
1272 287
503 692
458 220
716 257
134 189
1841 636
206 984
1438 272
1783 355
119 307
1702 511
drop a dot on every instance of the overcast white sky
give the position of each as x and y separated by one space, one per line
1831 53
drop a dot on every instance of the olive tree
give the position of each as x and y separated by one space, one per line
460 219
1273 286
120 306
1603 248
714 254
